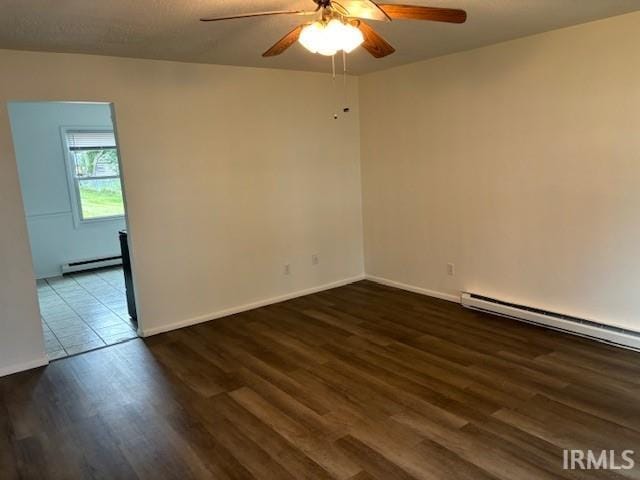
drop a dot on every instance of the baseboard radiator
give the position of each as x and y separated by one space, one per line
577 326
91 264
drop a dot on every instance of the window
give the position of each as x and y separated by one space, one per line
95 174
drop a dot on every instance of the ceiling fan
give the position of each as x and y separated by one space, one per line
339 25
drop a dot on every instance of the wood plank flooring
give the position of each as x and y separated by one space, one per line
360 382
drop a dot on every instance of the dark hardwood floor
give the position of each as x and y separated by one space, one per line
360 382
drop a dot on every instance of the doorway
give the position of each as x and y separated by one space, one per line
69 169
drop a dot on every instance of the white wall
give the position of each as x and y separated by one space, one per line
519 163
229 173
21 341
55 239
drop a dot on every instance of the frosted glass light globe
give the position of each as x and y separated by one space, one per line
352 38
311 37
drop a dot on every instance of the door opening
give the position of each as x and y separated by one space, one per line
70 177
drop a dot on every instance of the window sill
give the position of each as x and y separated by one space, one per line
94 221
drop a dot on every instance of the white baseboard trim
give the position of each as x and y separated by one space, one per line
250 306
42 276
586 328
20 367
411 288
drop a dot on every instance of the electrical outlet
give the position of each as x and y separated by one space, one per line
451 269
315 260
287 269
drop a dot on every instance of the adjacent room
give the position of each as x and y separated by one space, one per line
68 165
320 240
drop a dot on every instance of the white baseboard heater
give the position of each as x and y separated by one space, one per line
577 326
90 264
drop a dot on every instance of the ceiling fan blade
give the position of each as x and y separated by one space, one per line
413 12
362 9
284 43
374 43
258 14
388 18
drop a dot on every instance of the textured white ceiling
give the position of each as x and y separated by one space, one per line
169 29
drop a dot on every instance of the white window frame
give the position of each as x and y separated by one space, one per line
74 184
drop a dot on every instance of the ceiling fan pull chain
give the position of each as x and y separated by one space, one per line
333 83
345 109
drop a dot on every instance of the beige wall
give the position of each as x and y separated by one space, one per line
229 172
519 163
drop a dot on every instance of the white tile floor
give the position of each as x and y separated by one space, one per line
84 311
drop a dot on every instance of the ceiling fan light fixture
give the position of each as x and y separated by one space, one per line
331 37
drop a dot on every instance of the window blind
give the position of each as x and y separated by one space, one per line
90 140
